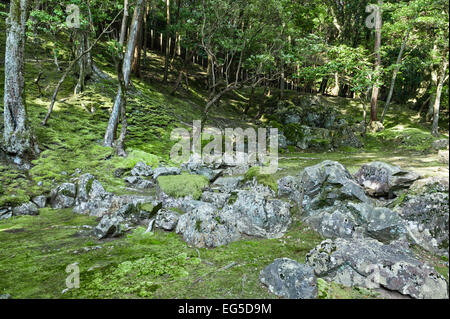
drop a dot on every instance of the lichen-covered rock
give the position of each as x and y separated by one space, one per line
142 169
26 209
109 226
89 188
5 213
337 207
40 201
203 227
288 187
167 219
440 144
425 208
382 179
217 199
289 279
327 182
63 196
226 184
139 182
255 213
371 264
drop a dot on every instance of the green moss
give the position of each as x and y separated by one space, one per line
198 225
264 179
332 290
183 185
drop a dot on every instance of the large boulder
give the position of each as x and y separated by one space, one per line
327 182
203 227
337 207
426 209
382 179
139 182
216 198
288 187
109 226
372 264
142 169
40 201
89 188
227 184
167 219
255 213
113 225
29 208
289 279
63 196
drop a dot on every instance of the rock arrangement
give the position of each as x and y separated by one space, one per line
307 123
368 220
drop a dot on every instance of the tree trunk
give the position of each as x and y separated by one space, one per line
123 29
18 138
437 103
394 76
126 69
84 63
375 89
167 49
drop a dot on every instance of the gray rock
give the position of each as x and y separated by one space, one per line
139 182
167 219
217 199
289 279
5 296
203 227
89 188
109 226
426 209
381 179
327 182
439 144
255 213
165 171
63 196
288 187
379 222
26 209
40 201
5 213
371 264
443 156
142 169
227 184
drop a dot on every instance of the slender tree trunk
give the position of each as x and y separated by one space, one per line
167 49
126 69
17 136
394 75
377 65
437 103
123 29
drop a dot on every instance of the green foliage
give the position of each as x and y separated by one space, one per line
183 185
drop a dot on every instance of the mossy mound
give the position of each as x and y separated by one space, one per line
183 185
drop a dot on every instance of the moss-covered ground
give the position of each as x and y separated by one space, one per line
35 250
